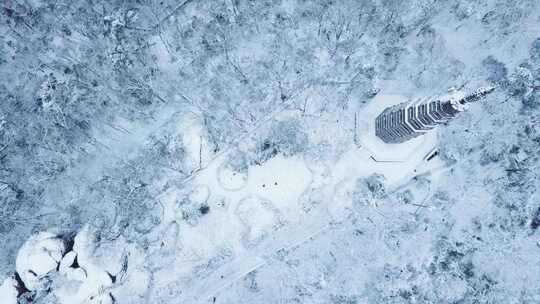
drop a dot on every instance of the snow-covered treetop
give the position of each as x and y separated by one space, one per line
461 99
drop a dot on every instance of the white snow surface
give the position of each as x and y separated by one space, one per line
8 292
39 256
258 177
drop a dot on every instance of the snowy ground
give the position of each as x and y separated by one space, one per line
223 152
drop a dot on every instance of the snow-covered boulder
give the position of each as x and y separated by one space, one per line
101 271
95 271
40 255
84 275
103 255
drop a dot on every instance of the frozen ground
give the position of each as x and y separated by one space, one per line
222 152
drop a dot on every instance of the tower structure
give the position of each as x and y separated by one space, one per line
410 119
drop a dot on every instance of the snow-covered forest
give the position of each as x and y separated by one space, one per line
195 151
